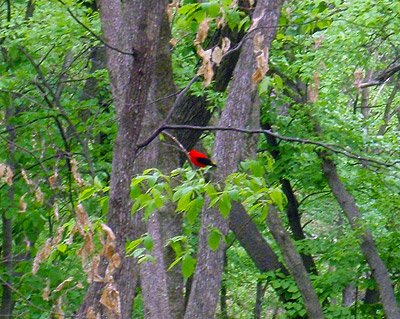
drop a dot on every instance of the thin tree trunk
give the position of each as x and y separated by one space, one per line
130 31
292 207
294 264
223 298
259 298
229 149
7 302
386 115
379 271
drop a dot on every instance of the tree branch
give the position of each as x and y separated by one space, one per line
94 34
331 147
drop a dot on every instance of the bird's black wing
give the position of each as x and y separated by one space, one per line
205 161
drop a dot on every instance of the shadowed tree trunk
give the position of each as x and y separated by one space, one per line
7 302
228 149
130 29
293 206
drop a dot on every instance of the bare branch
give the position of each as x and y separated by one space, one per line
331 147
94 34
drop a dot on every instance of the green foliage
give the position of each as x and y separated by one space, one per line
63 148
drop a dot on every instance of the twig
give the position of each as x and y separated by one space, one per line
94 34
332 148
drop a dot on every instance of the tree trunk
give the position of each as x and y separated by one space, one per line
294 264
7 302
379 271
130 30
292 207
228 149
259 298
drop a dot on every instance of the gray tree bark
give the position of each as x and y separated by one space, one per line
130 30
162 290
379 271
229 148
7 302
295 264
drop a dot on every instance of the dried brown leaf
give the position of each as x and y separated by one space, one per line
62 285
41 256
114 263
22 204
318 42
82 219
59 312
226 44
46 291
57 238
92 270
28 181
206 68
170 12
9 176
39 195
91 313
258 42
173 42
217 55
53 179
76 174
2 169
86 249
202 31
111 300
358 77
55 210
109 244
262 66
233 4
255 21
71 236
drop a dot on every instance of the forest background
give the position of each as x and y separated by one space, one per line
296 102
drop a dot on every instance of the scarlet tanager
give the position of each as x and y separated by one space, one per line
200 159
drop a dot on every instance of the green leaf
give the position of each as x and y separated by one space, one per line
176 261
194 208
212 8
133 244
184 201
62 247
256 168
211 191
234 194
148 243
188 265
135 191
150 208
277 197
278 81
224 205
97 183
214 238
138 180
264 213
87 193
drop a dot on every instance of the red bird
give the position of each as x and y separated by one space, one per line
200 159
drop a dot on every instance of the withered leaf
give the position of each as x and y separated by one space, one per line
202 31
111 300
62 285
41 256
